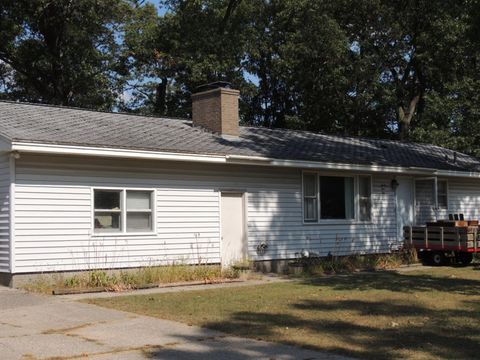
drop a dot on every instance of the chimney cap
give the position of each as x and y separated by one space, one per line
213 85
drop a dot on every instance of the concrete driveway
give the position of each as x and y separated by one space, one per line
46 327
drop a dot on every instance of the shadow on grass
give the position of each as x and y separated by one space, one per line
417 332
435 339
399 282
432 341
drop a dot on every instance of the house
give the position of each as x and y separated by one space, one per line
84 189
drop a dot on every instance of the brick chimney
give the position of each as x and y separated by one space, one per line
215 108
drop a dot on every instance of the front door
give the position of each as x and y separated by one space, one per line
234 244
405 206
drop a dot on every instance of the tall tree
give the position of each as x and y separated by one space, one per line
299 58
418 48
193 44
62 51
405 69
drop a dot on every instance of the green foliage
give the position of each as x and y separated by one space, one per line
97 278
72 282
387 69
61 52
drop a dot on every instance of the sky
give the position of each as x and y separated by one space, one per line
161 9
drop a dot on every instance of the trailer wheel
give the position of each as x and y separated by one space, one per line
438 258
463 258
425 257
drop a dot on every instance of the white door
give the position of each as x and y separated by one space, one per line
234 244
405 205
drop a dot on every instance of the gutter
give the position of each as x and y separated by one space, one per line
459 174
256 160
54 149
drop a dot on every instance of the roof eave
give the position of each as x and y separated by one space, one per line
56 149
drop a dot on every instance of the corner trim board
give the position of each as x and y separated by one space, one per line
12 170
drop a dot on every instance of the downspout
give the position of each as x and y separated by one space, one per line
435 192
12 169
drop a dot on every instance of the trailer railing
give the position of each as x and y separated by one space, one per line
443 238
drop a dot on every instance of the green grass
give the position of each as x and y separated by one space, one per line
426 314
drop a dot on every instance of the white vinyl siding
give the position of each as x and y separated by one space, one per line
54 206
463 197
275 217
4 212
54 214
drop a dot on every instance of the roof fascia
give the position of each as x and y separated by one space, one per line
412 170
315 165
461 174
55 149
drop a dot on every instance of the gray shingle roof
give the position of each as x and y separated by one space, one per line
67 126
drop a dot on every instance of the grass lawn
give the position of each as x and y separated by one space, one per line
425 314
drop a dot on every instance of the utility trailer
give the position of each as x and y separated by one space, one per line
444 241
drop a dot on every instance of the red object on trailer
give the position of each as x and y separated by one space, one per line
444 241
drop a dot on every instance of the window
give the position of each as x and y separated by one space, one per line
120 211
336 197
107 211
442 194
139 210
364 198
310 197
425 193
329 197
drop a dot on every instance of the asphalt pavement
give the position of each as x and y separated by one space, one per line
59 327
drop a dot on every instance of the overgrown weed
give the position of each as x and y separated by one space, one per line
130 279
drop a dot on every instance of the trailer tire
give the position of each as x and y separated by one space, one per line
438 258
425 257
463 258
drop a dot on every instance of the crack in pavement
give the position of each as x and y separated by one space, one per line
146 349
73 328
8 324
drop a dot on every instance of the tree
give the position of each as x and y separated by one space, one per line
419 48
191 45
62 52
405 69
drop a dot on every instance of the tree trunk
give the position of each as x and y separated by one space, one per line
405 117
160 97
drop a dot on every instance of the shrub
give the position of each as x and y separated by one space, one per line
98 278
352 263
131 279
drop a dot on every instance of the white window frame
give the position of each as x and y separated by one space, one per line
357 197
317 189
356 200
445 194
435 190
123 211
